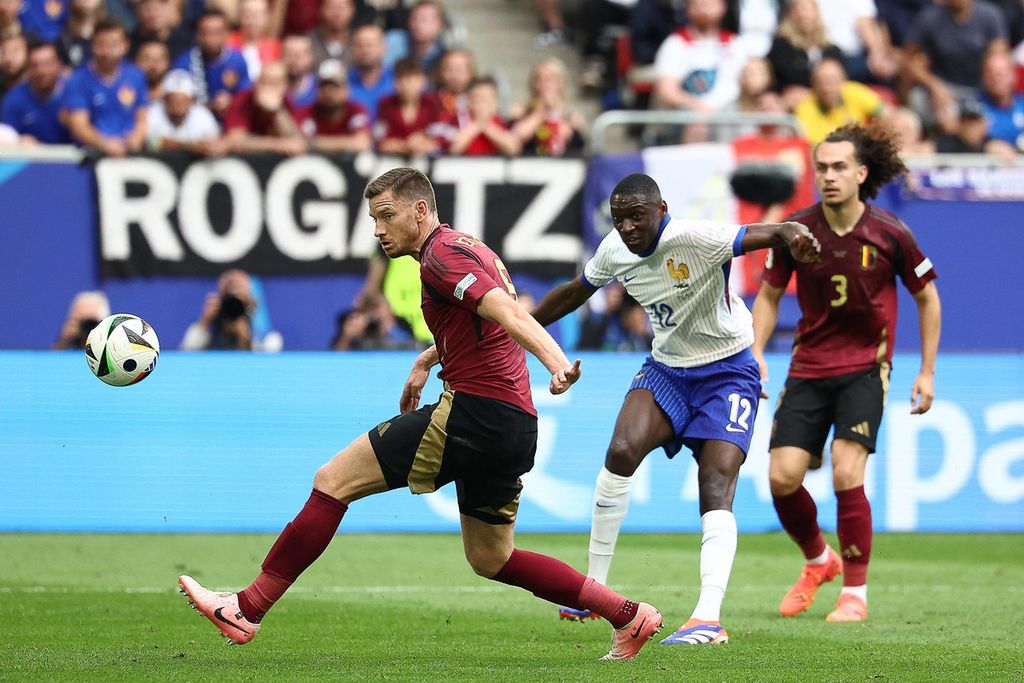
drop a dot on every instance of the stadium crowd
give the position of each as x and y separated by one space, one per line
216 77
290 76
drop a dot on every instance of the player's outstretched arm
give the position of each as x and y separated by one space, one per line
929 316
499 307
766 315
417 378
562 300
802 244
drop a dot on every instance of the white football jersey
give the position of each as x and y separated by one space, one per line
683 284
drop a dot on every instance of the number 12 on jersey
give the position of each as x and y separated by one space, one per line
662 315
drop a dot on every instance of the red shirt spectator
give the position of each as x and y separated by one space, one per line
485 133
336 123
411 121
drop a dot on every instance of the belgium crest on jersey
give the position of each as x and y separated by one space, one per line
680 274
868 256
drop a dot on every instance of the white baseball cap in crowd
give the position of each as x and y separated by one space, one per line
333 71
179 81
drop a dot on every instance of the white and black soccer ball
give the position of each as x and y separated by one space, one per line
122 349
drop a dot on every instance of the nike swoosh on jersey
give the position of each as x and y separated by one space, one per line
730 428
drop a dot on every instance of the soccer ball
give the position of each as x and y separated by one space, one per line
122 349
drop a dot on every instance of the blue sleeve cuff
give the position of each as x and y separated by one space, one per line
588 283
737 244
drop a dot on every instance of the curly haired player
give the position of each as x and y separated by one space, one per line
842 355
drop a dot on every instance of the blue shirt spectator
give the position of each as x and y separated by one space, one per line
370 95
218 71
1004 108
33 107
43 19
106 99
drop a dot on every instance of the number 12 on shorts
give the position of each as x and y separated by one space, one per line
739 413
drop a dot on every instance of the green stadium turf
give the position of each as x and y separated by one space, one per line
407 607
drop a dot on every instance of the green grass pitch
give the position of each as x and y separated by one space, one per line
407 607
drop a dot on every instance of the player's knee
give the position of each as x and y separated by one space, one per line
783 481
847 475
327 481
622 458
486 562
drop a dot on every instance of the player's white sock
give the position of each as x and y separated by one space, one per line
860 591
611 500
820 559
717 551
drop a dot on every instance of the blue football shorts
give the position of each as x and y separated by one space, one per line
714 401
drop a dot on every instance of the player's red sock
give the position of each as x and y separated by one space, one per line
303 540
557 582
799 517
854 530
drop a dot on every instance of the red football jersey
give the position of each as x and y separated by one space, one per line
848 299
430 119
246 114
477 356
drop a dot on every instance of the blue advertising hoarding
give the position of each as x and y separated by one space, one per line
230 442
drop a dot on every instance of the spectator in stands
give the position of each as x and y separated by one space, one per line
370 79
161 20
410 122
253 38
336 123
297 57
835 101
371 326
423 37
698 66
43 19
334 31
85 313
800 43
262 119
74 39
9 24
220 73
32 108
486 133
972 135
944 48
227 320
13 59
105 99
909 133
1013 19
178 123
455 72
755 79
546 125
154 61
853 27
1004 107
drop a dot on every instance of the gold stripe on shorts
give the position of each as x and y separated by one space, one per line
427 463
883 374
507 512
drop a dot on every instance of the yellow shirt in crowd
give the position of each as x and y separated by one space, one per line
857 104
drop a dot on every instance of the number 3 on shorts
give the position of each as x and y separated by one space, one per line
739 413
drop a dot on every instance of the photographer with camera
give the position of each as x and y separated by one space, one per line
226 323
86 311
